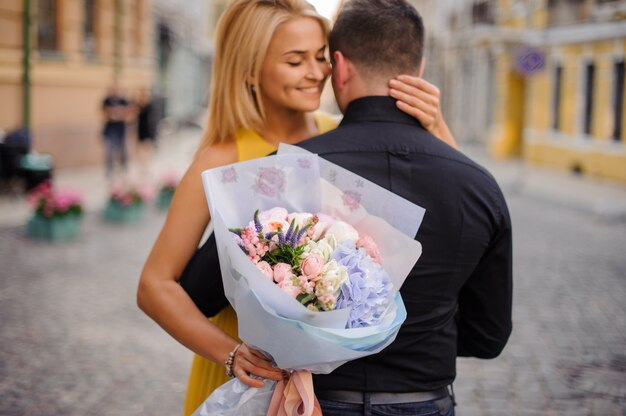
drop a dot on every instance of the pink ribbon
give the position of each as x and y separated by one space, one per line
295 397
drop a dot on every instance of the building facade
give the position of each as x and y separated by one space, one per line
57 58
182 56
537 79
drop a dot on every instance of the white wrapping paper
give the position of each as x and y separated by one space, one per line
269 319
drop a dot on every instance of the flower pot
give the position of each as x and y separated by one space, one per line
61 228
164 199
116 212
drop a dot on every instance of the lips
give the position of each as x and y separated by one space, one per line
310 90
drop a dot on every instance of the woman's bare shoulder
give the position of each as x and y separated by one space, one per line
218 154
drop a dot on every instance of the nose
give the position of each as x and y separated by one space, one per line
317 70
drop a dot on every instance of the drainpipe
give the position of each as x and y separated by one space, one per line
117 65
26 66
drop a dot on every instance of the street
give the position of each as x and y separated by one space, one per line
73 341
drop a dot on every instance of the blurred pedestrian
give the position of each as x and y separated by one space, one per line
115 109
147 120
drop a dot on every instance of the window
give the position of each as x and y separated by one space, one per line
618 100
556 99
564 12
590 71
482 13
47 26
89 37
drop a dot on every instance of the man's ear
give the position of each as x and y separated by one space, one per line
342 69
422 65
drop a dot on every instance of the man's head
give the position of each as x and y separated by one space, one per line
373 41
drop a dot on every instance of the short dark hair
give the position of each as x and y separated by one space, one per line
384 37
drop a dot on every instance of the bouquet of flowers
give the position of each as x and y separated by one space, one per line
56 213
313 273
321 261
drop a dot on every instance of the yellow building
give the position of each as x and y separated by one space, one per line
56 80
537 79
560 85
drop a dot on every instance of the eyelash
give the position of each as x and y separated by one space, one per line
319 59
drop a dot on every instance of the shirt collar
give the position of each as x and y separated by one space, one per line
376 108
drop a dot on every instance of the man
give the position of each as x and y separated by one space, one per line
115 109
458 296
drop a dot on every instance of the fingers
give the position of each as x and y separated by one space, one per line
248 362
418 98
413 94
246 379
424 118
419 83
424 113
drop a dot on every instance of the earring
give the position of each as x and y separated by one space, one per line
253 89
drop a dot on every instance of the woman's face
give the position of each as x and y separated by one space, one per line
295 68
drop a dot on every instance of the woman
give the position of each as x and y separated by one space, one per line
263 94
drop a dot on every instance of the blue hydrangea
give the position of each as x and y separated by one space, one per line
367 289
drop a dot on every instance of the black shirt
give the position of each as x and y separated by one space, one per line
115 108
459 294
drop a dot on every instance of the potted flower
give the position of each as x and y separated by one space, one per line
56 213
126 203
166 192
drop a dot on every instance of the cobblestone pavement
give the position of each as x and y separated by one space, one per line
72 341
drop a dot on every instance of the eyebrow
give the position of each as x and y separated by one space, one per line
299 52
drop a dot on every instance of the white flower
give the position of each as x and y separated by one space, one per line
301 219
333 276
324 247
323 224
342 231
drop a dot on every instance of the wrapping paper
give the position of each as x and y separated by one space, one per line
269 319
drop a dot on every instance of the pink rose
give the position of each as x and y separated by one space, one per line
312 266
282 271
366 242
288 286
266 269
274 214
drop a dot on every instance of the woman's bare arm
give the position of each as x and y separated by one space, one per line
161 297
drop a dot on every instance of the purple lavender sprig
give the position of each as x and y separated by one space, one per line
290 233
257 222
281 236
298 234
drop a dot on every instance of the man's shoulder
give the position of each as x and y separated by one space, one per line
352 142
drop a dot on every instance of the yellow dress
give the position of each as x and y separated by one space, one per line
205 376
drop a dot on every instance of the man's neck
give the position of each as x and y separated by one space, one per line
367 87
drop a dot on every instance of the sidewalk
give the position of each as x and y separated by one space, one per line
603 199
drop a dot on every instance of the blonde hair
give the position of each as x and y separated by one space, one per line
243 35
